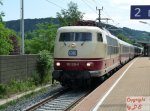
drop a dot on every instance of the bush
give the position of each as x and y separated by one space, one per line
36 78
44 66
3 90
5 42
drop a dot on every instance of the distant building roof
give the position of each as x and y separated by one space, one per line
143 42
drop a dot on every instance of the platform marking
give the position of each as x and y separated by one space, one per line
111 88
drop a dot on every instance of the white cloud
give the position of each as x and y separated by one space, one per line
90 16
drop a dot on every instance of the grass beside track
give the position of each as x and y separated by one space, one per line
18 86
15 87
13 102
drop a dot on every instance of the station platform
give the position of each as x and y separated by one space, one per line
127 90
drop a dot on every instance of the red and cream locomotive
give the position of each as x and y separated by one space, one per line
82 53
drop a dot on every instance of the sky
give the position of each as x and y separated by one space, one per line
117 10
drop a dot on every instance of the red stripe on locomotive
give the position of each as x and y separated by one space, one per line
81 64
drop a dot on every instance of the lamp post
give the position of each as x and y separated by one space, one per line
149 38
22 24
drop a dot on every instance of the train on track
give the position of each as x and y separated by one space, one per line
85 53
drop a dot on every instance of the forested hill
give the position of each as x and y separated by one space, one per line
31 24
130 33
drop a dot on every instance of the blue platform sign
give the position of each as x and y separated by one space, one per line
140 12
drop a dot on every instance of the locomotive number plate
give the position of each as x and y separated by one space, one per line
72 52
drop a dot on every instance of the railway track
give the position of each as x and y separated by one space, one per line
62 101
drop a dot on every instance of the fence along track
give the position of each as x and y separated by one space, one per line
62 101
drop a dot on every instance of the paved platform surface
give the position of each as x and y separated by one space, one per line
111 96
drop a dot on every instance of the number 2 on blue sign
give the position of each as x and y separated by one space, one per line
138 12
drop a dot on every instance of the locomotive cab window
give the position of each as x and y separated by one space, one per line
75 36
83 36
67 36
99 37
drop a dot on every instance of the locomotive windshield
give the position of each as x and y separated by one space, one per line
75 36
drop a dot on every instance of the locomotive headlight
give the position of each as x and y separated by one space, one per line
88 64
57 63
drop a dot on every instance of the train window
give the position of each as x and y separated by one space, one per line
112 45
109 50
108 40
117 49
75 36
115 42
83 36
67 36
111 41
112 50
125 49
99 37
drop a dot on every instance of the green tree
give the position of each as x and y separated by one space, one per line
124 38
8 38
1 13
43 39
5 42
70 16
15 44
29 35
